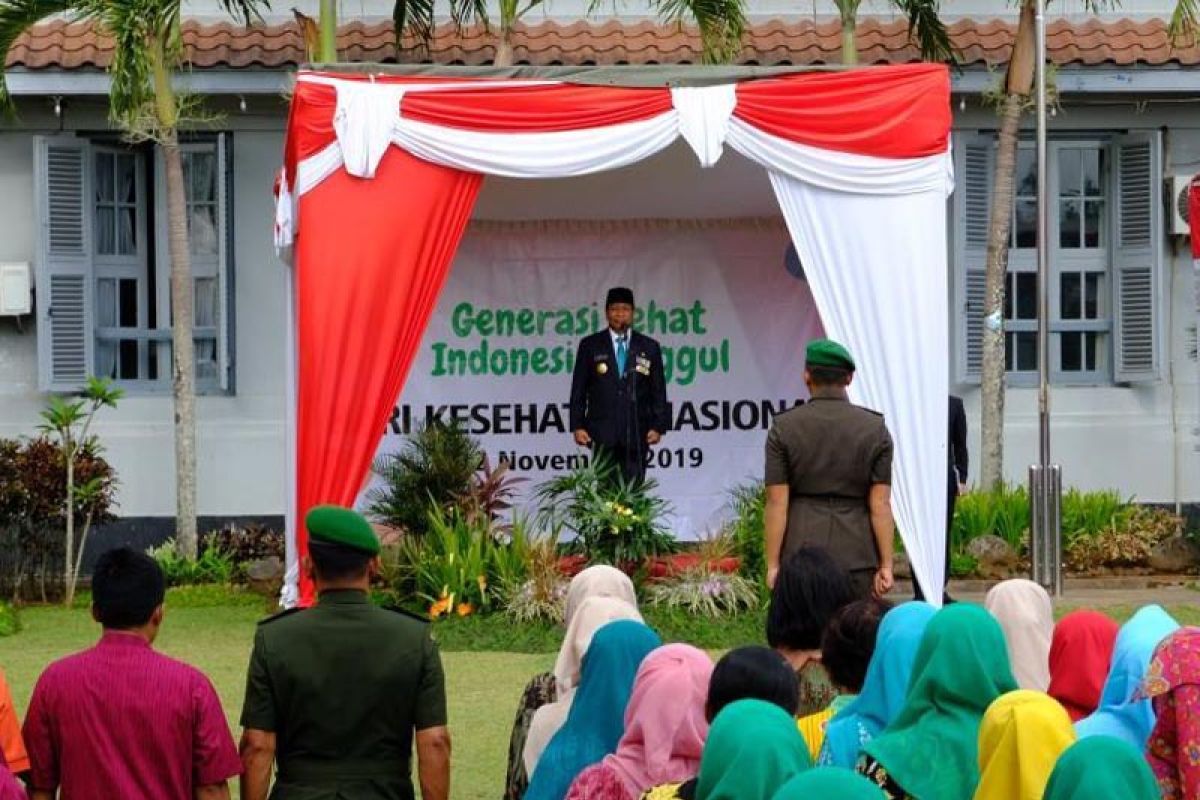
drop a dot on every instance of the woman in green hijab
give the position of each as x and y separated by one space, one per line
753 748
1101 766
829 783
931 751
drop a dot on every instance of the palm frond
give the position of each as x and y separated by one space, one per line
722 24
16 17
925 27
1185 21
465 12
415 17
246 11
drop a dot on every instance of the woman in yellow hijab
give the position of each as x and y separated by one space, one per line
1020 739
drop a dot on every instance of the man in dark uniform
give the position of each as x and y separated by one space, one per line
618 391
335 692
956 482
828 476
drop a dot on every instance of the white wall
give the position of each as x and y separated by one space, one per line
239 438
1123 438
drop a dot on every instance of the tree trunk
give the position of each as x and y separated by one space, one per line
504 49
328 24
184 370
69 545
849 40
1018 84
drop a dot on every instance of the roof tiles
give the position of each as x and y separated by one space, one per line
77 45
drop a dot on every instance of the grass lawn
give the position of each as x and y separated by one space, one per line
214 631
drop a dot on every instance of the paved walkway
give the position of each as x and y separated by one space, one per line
1095 592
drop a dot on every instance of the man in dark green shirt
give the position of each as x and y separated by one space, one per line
335 692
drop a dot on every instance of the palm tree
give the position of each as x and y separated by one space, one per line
924 26
1018 87
721 22
143 102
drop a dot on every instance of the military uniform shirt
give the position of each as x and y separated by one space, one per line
830 453
343 685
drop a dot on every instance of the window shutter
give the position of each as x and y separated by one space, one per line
976 157
64 253
1137 271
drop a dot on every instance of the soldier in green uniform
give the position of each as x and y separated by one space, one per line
828 475
335 692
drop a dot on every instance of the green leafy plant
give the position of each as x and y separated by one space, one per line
213 566
963 565
615 521
1002 512
705 593
448 566
1126 542
67 423
434 469
748 505
1090 514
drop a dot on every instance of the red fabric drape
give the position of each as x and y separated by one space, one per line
1080 653
1194 215
369 270
536 109
891 112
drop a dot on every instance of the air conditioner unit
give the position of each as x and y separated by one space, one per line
15 290
1179 204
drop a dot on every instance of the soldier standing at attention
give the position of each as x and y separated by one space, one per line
336 691
828 476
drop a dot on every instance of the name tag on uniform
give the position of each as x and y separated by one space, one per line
643 365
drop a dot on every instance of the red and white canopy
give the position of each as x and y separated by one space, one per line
381 173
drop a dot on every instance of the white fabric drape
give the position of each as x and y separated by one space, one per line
877 268
841 171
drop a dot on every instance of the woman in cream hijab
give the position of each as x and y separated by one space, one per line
1026 613
608 594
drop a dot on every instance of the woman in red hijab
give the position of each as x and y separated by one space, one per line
1080 654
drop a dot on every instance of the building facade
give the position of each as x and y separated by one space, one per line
86 210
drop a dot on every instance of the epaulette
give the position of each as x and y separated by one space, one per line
873 411
407 613
287 612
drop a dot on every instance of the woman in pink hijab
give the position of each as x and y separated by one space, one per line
665 729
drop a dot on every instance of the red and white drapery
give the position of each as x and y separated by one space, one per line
381 173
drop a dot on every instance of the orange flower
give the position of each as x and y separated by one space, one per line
440 607
464 609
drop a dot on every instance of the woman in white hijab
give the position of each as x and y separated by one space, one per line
1026 613
596 596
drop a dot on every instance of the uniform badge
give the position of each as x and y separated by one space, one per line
601 368
643 365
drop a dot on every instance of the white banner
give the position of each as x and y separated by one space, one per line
726 300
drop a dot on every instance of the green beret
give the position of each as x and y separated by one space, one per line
828 353
341 526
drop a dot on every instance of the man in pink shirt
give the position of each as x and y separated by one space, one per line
120 720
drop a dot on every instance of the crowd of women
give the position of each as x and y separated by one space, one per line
857 698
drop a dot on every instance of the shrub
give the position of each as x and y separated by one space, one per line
33 500
246 545
10 620
448 566
962 565
434 469
1089 514
705 593
747 529
213 565
490 496
1002 512
615 521
528 573
1126 542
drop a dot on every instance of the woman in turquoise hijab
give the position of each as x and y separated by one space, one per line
1101 766
1119 714
829 783
884 689
753 748
597 717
